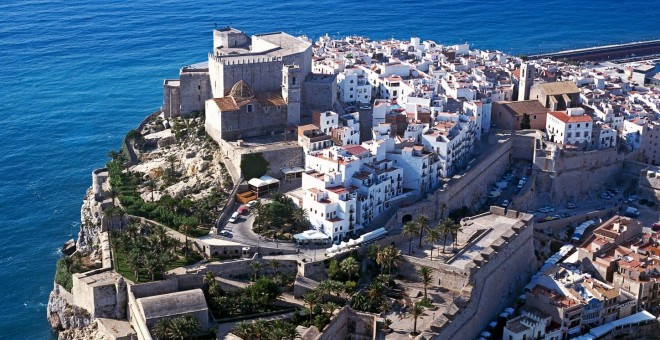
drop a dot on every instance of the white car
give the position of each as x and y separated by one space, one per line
233 217
225 233
505 203
252 203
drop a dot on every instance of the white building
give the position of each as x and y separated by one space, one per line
569 127
353 85
452 140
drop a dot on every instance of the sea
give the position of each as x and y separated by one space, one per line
76 75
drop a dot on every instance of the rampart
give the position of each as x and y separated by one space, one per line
493 284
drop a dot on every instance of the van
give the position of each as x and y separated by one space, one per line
233 217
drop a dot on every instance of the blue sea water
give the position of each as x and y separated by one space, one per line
76 75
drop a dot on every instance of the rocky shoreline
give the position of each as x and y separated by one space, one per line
198 169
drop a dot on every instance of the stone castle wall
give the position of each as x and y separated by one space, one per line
649 183
495 286
194 90
286 156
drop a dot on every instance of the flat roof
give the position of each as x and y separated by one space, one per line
487 229
212 241
172 304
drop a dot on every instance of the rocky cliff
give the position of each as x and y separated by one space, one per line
63 314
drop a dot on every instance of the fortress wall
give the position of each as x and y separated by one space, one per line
242 124
649 184
472 187
194 90
576 220
585 174
523 147
260 76
495 286
288 157
171 100
169 285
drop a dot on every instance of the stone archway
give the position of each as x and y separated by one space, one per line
406 218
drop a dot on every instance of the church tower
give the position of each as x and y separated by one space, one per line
526 81
291 80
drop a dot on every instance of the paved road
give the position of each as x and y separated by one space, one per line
242 232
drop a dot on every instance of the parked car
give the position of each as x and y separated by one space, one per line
505 203
252 203
365 107
233 217
225 233
571 205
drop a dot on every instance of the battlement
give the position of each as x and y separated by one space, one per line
244 59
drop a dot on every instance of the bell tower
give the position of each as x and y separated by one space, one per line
291 80
527 71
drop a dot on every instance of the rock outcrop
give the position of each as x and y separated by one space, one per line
63 314
90 332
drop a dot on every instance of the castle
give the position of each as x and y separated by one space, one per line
251 86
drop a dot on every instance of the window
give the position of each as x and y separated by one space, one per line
249 108
293 81
578 125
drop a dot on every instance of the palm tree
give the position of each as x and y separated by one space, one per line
300 216
152 263
112 192
134 261
274 264
387 257
426 277
254 267
456 228
324 288
183 327
410 230
350 266
151 184
185 229
443 209
161 328
432 237
445 228
312 298
422 222
330 307
243 330
415 312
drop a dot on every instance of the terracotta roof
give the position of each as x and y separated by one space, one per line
270 99
558 87
355 150
584 118
529 107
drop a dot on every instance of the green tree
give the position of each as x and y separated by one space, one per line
333 269
274 264
445 228
443 209
415 312
312 299
432 236
426 277
350 266
525 123
254 267
388 257
253 165
410 230
177 328
422 222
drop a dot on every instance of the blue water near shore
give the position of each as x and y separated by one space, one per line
76 75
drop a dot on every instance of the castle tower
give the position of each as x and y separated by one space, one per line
526 81
291 80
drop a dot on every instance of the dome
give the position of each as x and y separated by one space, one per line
241 90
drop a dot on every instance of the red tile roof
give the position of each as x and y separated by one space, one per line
561 115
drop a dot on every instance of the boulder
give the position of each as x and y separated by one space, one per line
69 247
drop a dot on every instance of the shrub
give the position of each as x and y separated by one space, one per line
253 165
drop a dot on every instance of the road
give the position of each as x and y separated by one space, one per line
241 232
